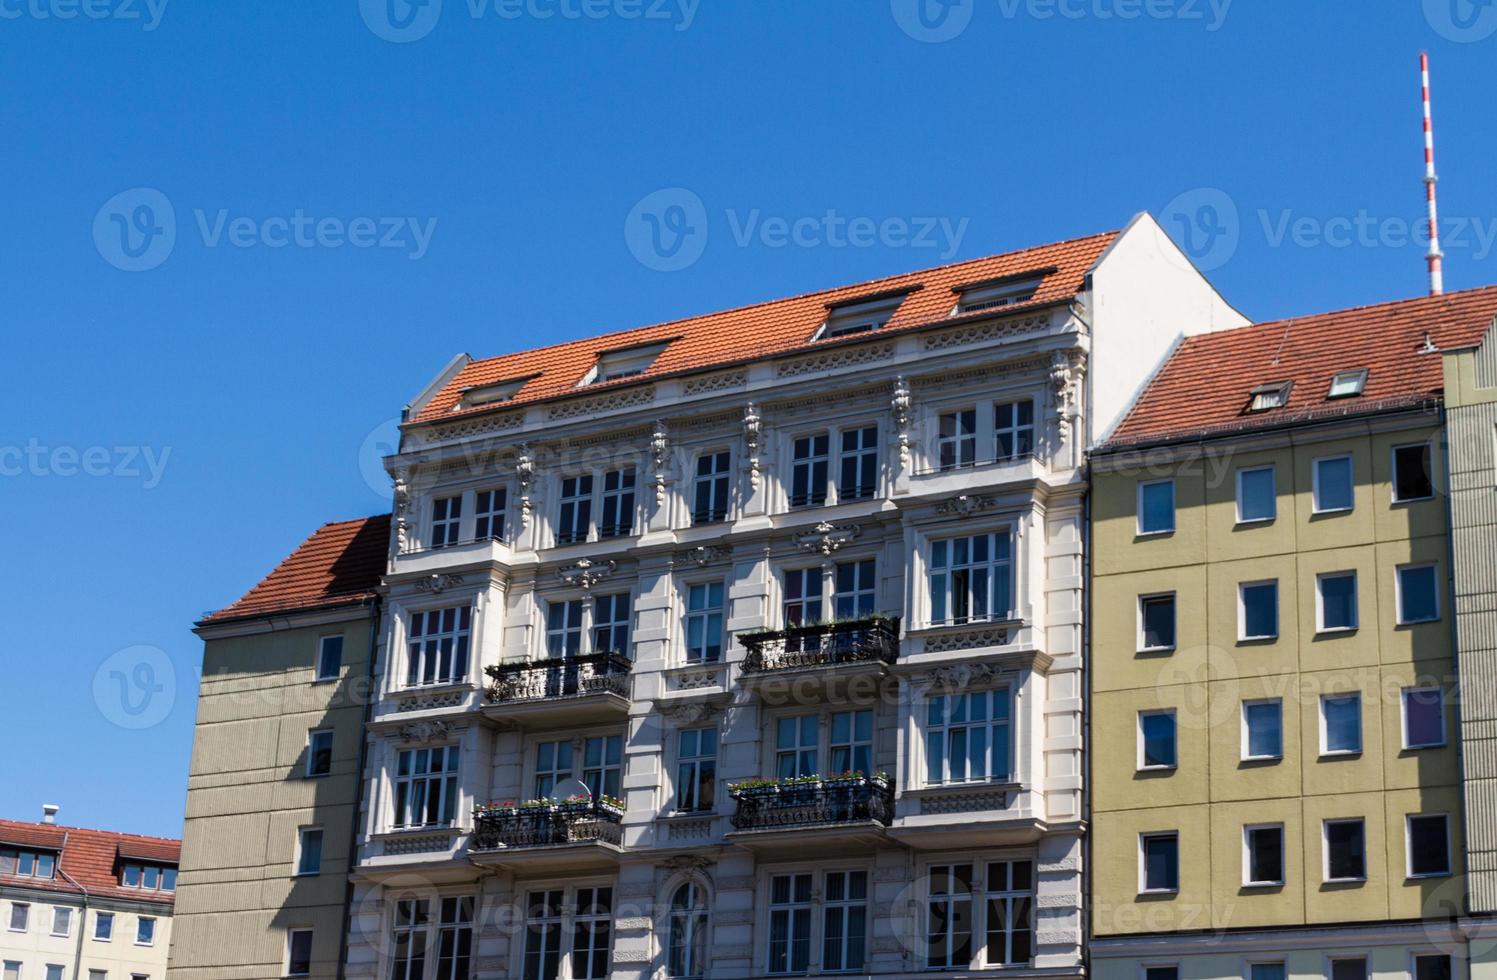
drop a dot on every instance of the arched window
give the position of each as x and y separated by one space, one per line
688 932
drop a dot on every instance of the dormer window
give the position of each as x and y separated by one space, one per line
859 316
1270 396
625 362
992 294
27 863
1348 384
490 394
148 877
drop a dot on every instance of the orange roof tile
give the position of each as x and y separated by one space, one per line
90 858
340 564
1203 389
766 329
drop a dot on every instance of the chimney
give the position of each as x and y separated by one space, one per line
49 812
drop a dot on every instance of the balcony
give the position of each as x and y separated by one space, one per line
825 656
545 835
811 814
559 692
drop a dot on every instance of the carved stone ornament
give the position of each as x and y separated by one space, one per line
687 862
966 505
425 731
959 677
435 584
826 538
660 450
703 554
753 428
1065 376
402 508
902 405
689 713
585 573
525 476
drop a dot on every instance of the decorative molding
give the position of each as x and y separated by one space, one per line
585 573
753 429
714 382
1028 366
425 731
959 677
449 700
736 883
623 398
703 555
902 407
1066 368
965 802
966 505
417 845
436 584
830 360
660 456
953 642
973 333
686 713
826 538
687 862
525 476
690 829
478 426
402 509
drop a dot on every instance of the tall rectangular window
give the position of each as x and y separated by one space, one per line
710 488
1432 966
1013 429
1429 845
948 917
455 939
20 916
1331 485
1340 724
858 479
704 623
1256 495
553 765
808 470
409 939
62 920
611 614
1412 473
104 926
1262 730
488 514
329 657
1156 507
1263 854
968 737
856 589
1161 862
795 746
439 646
145 931
1258 610
299 952
1010 913
309 851
802 596
544 925
1418 594
446 520
696 770
1423 717
1336 601
603 765
790 907
851 744
592 933
1156 622
426 787
1156 739
956 440
564 628
845 926
320 752
971 578
574 522
618 504
1345 850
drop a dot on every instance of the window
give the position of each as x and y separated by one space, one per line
103 926
488 514
329 657
1412 478
956 440
152 877
615 506
704 623
576 517
1256 500
857 589
415 934
1418 594
1010 913
795 746
1262 729
1340 724
603 765
1347 384
145 931
1423 717
499 391
1263 854
1008 291
592 933
1160 862
626 362
845 925
62 921
851 743
309 851
564 629
1432 966
27 864
802 603
439 646
1156 739
696 770
553 765
967 738
1266 971
299 952
808 471
1156 622
948 930
789 923
688 932
99 975
1156 507
859 464
544 922
618 504
1429 845
1336 601
611 615
1331 484
710 500
54 971
1258 610
1345 850
1162 972
859 316
971 579
1270 396
319 754
409 940
12 970
455 939
1348 968
1013 429
426 787
446 519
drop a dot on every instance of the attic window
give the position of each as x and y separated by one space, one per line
1348 384
995 294
626 362
1270 396
489 394
859 316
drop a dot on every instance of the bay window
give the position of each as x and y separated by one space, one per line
426 787
438 646
968 737
971 578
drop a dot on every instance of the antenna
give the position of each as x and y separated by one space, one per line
1435 256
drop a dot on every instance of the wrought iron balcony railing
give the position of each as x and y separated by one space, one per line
560 677
504 826
813 803
874 639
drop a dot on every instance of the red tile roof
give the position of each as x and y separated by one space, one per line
340 564
90 858
768 329
1203 389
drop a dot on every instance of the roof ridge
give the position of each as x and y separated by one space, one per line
89 830
1287 320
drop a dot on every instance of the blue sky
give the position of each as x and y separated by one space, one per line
463 175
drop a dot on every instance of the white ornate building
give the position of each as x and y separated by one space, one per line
790 599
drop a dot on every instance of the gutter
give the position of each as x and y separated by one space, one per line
83 917
358 801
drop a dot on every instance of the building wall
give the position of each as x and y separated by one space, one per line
248 796
121 957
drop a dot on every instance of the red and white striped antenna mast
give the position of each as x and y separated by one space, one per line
1435 257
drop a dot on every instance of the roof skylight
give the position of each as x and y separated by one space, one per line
1348 384
1270 396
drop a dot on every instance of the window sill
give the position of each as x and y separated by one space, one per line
1417 622
1169 649
1345 881
1263 885
1341 754
1154 534
1157 892
1336 630
1157 768
1431 874
1256 521
1329 511
1263 758
1412 500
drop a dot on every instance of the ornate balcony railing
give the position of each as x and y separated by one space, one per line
498 826
562 677
874 639
813 803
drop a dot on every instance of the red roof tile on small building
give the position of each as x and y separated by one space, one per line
91 858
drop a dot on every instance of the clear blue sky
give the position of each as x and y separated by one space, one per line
259 371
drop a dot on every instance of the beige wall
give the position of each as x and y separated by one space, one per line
1213 793
248 798
39 946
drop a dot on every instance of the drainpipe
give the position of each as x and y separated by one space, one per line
358 800
83 917
1086 727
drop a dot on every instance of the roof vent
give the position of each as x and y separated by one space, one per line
49 812
1429 345
859 316
624 362
489 394
997 293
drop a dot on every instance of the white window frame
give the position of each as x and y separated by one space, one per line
103 917
689 769
578 505
717 479
1416 955
1273 498
1356 601
322 646
1393 472
1325 750
790 907
1246 754
592 494
1351 477
312 752
411 677
494 516
1325 848
1408 847
1247 966
450 523
989 723
1143 862
1403 712
1138 508
1356 378
958 441
1147 597
66 912
1016 430
1142 764
1247 855
1398 588
447 781
1005 534
291 935
705 616
818 493
301 850
847 905
625 498
842 454
140 921
1242 618
25 910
